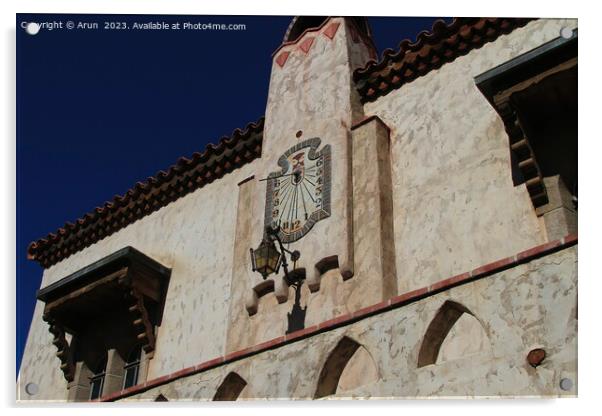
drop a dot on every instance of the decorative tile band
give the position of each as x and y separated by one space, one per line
389 304
327 28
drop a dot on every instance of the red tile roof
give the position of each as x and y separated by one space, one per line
186 176
443 44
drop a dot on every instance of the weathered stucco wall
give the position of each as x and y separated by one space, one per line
455 206
533 305
454 209
311 91
194 236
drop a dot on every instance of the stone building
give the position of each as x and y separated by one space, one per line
431 194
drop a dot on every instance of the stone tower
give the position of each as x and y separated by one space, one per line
312 105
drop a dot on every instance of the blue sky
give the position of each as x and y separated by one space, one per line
99 110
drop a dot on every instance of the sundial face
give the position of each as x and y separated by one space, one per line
298 195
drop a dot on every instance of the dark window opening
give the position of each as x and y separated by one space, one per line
132 368
98 379
548 115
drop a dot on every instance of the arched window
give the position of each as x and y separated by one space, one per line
132 368
348 366
230 388
453 333
97 380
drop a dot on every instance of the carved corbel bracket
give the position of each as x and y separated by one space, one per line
525 157
64 353
143 327
126 288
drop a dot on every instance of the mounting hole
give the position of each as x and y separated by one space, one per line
299 134
566 384
566 33
31 388
32 28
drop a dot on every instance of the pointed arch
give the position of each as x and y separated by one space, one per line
339 362
161 398
230 388
438 330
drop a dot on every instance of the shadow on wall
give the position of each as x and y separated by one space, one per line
453 333
348 367
231 388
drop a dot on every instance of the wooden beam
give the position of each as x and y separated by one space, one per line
121 273
140 320
504 96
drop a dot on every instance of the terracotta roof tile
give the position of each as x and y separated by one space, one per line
431 50
186 176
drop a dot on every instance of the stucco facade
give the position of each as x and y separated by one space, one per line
421 190
525 307
441 129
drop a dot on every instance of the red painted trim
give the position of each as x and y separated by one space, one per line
155 382
305 46
209 364
494 267
331 30
408 297
527 254
371 309
367 40
334 322
442 284
302 333
233 356
183 372
305 32
269 344
282 58
393 303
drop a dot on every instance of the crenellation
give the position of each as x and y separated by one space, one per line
425 268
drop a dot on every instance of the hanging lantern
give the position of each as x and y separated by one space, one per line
266 258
